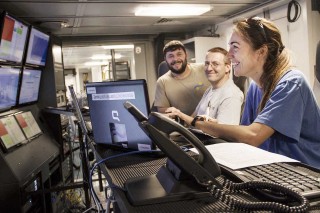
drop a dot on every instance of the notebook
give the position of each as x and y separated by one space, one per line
112 124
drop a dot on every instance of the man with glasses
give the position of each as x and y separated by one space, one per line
222 101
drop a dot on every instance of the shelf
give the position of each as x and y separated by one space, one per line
122 70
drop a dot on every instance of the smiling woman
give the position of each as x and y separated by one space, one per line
280 106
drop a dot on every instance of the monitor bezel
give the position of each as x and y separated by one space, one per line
27 55
10 62
6 149
3 109
21 84
33 136
141 82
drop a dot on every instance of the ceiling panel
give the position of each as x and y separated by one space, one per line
116 18
86 16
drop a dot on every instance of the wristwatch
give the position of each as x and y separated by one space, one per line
195 119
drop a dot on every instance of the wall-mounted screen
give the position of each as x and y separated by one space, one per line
9 82
30 84
28 124
37 48
13 39
10 132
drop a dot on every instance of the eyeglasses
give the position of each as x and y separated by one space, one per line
256 21
212 63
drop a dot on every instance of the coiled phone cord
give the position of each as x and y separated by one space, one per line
235 203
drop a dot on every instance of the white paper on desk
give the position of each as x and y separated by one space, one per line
240 155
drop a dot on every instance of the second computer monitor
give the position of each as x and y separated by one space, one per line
111 123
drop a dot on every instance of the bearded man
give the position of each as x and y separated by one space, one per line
183 85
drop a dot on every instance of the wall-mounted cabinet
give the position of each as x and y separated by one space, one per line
197 47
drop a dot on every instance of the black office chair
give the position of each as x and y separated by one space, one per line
242 82
162 68
316 85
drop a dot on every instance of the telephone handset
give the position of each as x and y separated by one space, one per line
204 171
158 127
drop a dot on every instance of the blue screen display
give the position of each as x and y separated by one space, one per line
37 48
30 85
9 82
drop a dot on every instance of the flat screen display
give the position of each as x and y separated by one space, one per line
37 48
29 90
10 132
13 40
9 82
112 124
28 124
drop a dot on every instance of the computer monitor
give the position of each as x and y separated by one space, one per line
13 39
11 134
9 83
112 124
30 84
28 124
37 48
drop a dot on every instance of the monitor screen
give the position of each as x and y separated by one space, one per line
9 82
37 48
111 123
29 90
10 132
28 124
13 40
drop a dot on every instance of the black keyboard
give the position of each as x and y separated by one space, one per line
282 173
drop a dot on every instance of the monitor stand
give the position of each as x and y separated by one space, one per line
169 184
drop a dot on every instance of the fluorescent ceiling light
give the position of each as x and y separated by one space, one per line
109 47
95 63
104 56
171 10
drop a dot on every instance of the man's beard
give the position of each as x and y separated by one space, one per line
179 71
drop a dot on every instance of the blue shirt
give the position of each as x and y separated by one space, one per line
293 113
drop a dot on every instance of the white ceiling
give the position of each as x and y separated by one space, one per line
106 18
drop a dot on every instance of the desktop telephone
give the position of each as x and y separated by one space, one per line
204 171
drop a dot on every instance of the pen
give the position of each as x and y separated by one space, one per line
207 111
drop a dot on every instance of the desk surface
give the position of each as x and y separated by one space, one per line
126 167
132 166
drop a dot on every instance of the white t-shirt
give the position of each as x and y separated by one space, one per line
224 103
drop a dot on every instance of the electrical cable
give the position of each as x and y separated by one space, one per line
297 11
236 204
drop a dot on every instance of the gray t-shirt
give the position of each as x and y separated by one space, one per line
225 103
183 94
